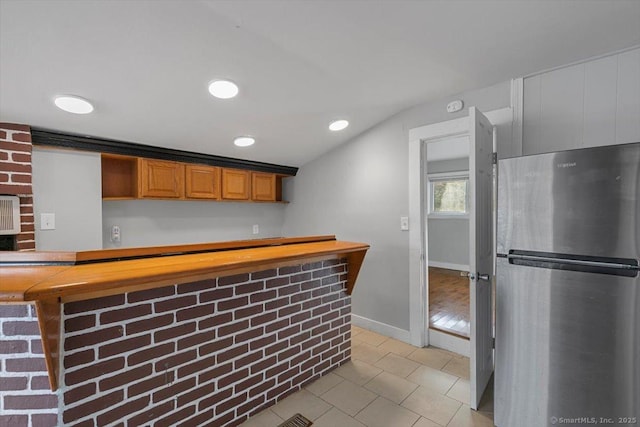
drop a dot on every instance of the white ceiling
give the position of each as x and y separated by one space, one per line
299 64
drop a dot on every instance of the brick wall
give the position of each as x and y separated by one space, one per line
25 396
15 177
204 353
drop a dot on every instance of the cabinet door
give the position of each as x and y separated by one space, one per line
202 182
263 186
628 97
162 179
235 184
556 111
599 122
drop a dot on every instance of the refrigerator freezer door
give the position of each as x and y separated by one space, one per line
580 202
567 347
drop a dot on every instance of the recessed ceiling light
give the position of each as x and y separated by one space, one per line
337 125
244 141
73 104
223 89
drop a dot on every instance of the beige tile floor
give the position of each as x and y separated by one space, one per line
387 384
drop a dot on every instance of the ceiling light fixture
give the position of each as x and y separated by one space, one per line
337 125
73 104
223 89
244 141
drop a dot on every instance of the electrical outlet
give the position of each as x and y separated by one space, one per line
256 229
115 233
47 221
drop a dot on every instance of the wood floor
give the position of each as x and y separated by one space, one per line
449 302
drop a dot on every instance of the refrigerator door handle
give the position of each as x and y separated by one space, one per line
572 262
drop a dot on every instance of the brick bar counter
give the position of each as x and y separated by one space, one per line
208 336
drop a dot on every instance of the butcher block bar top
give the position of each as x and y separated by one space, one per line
33 276
51 279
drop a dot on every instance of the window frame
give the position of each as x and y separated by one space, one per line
445 176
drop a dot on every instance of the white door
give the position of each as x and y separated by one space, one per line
481 251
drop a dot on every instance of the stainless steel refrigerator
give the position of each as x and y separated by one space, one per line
568 289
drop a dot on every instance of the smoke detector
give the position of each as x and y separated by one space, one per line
455 106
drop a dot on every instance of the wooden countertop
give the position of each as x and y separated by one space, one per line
60 257
72 276
15 281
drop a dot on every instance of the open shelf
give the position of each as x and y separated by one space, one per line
119 177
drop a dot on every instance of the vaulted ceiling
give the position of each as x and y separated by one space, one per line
146 64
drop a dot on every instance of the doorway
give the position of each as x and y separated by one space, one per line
447 224
482 133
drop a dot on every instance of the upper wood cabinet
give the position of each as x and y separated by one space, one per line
128 177
161 178
263 187
235 184
202 182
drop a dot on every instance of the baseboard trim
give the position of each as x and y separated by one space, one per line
449 342
381 328
448 265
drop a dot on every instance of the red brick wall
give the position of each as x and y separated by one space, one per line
211 352
15 177
25 397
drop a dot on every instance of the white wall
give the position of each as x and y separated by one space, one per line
589 104
359 190
448 236
162 222
67 183
449 243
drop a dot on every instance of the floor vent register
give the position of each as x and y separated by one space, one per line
296 421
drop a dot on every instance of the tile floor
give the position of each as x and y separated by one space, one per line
387 384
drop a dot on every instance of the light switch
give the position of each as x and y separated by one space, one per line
47 221
404 223
256 229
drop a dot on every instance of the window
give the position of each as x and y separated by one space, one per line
449 195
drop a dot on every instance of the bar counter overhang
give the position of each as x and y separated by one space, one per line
292 294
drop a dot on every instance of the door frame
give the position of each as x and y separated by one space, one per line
418 233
